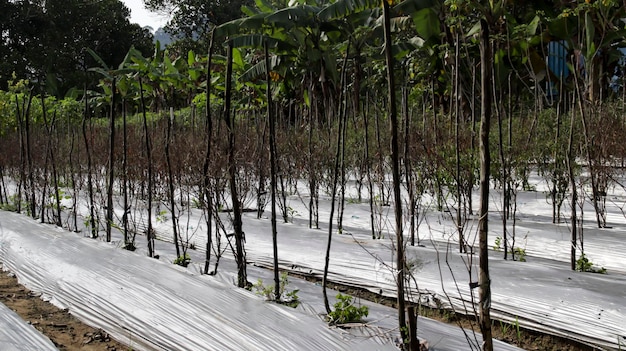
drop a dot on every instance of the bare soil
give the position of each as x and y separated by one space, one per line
63 329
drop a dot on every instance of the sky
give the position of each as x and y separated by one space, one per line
139 14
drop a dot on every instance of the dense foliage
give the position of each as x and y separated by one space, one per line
192 20
45 41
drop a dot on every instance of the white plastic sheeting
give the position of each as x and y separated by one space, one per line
17 335
382 321
151 304
539 294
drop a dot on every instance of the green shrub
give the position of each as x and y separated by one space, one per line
520 254
8 207
161 217
11 204
497 244
584 265
183 260
289 298
346 312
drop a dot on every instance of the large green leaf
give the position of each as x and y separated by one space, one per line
396 24
100 71
426 23
344 8
128 58
259 70
98 59
169 67
254 41
409 7
307 100
562 28
228 29
191 58
301 16
249 11
253 22
532 26
403 48
238 58
590 32
265 6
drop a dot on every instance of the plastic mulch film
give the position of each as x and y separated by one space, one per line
152 305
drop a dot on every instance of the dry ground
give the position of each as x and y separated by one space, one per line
65 331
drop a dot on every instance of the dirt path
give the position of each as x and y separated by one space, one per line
63 329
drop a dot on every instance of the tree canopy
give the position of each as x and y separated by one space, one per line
192 20
47 40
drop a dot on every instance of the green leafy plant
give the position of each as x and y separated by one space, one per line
583 264
292 213
497 244
87 222
346 312
505 327
353 200
195 203
520 254
405 331
116 226
10 205
13 203
161 216
289 298
183 260
62 196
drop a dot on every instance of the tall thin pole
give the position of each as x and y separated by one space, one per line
484 281
272 122
149 232
395 170
207 159
109 213
242 279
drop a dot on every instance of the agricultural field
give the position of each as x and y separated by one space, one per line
108 288
321 175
